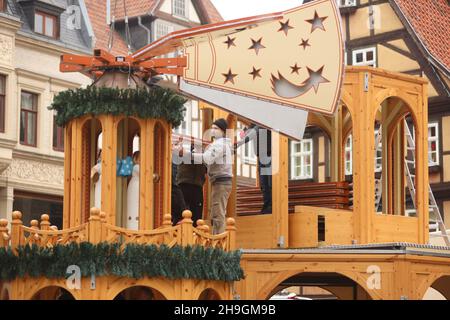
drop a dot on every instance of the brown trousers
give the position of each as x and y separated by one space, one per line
219 198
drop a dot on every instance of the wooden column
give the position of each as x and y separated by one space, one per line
231 207
422 179
337 160
67 174
109 158
398 177
363 162
167 168
146 175
280 191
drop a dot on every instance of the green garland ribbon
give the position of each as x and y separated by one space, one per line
134 261
155 103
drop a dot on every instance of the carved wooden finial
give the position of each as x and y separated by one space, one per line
34 224
3 223
231 222
95 212
167 220
103 216
187 214
17 215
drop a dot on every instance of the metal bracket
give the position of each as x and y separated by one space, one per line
366 82
93 282
281 242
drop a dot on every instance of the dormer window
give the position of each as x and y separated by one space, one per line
46 24
179 8
43 16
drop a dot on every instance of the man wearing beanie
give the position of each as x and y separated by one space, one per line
219 161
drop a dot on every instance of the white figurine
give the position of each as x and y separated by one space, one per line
133 195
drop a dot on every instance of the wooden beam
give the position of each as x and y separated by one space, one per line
280 191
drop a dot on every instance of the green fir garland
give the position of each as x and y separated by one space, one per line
135 261
155 103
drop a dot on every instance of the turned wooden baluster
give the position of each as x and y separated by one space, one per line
95 226
187 229
35 238
231 229
17 238
45 225
4 233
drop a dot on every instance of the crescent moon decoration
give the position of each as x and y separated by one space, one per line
286 89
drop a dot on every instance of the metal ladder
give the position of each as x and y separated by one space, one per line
378 182
433 207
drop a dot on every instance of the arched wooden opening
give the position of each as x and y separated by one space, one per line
91 161
442 286
140 293
159 149
128 173
209 294
395 153
4 295
53 293
303 293
341 286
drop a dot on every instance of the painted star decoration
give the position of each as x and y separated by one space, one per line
317 22
230 42
295 68
257 45
256 73
304 44
285 27
316 78
229 77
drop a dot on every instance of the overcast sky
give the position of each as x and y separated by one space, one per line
233 9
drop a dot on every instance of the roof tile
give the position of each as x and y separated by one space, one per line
431 22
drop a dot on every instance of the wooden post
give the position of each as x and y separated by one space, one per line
95 227
67 174
147 168
422 178
363 162
45 222
187 237
231 229
16 230
231 206
4 233
109 150
337 166
280 191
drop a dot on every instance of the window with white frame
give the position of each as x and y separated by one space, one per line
302 159
365 57
433 143
179 8
349 155
162 29
192 121
249 153
346 3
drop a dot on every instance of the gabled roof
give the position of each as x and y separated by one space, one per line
430 22
134 8
207 11
97 14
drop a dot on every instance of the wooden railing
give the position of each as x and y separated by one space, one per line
97 230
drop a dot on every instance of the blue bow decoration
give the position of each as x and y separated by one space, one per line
126 167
